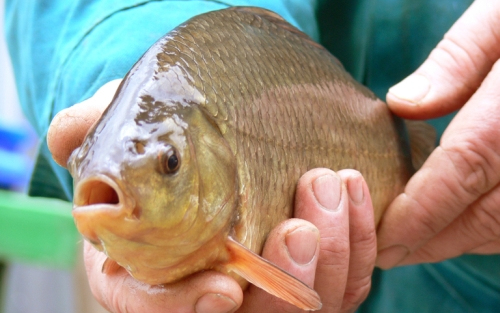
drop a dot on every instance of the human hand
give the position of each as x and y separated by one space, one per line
451 206
339 265
70 126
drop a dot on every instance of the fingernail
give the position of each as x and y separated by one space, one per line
355 189
327 190
412 89
215 303
392 256
302 244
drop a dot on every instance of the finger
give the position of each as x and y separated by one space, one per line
362 238
119 293
491 247
293 246
322 199
454 69
475 231
463 168
69 127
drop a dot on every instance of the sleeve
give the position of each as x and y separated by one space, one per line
63 51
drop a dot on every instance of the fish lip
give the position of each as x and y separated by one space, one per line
126 203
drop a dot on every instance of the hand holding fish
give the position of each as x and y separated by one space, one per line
451 205
339 265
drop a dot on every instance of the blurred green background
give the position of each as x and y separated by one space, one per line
40 248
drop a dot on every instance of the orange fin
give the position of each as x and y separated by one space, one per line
422 141
110 266
271 278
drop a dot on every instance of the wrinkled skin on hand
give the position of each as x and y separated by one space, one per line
451 206
328 206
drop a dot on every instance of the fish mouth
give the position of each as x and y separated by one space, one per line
97 199
99 192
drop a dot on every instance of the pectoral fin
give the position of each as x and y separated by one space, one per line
271 278
110 266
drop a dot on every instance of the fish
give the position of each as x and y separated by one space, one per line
198 155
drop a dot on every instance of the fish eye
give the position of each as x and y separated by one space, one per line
169 160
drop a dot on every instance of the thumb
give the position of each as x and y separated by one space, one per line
455 68
70 126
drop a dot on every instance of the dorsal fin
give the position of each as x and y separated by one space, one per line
279 21
422 138
264 13
270 278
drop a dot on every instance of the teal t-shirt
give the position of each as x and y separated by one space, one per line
63 51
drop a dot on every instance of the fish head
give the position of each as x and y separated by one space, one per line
155 181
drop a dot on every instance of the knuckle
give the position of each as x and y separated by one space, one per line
115 299
367 258
491 247
488 221
334 251
356 294
473 166
470 227
429 254
429 221
482 222
365 240
365 251
484 225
